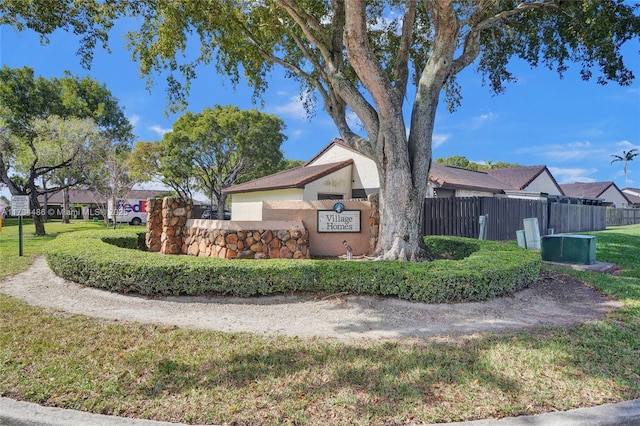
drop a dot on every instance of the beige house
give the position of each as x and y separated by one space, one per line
608 192
340 172
364 179
531 182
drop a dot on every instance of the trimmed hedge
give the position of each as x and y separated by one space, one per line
105 259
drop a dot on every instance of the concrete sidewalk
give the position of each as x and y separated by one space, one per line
17 413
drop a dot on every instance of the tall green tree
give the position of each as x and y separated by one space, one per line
362 56
463 162
60 141
24 100
221 146
625 158
110 175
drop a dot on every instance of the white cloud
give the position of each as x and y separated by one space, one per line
626 145
480 120
161 131
439 139
296 134
571 151
572 175
134 120
292 109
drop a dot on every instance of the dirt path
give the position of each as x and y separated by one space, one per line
555 299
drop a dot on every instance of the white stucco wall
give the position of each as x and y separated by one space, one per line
543 183
365 174
248 205
611 195
337 183
250 210
468 193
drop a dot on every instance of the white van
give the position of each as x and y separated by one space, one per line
132 211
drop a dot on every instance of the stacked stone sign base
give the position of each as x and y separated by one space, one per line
174 218
154 224
247 240
166 220
170 231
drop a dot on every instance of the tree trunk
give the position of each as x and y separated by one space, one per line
45 206
65 206
38 217
114 210
222 200
401 200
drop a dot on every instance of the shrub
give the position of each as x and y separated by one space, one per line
471 270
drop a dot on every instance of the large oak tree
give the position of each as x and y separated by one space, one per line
362 56
26 101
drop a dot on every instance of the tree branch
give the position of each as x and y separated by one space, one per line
401 73
362 58
471 48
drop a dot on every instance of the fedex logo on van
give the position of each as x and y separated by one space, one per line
139 207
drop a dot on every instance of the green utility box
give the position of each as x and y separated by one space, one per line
580 249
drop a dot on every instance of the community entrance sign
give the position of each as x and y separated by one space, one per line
339 219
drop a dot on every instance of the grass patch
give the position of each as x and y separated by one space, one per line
11 263
207 377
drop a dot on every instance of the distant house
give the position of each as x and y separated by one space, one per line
532 179
608 192
85 203
517 182
633 195
449 181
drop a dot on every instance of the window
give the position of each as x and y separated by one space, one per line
330 196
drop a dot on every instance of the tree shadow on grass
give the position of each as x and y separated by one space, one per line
431 380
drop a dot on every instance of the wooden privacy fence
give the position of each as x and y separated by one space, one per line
460 216
565 218
620 217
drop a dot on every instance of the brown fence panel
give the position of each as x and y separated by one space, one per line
451 216
576 218
460 216
506 216
621 217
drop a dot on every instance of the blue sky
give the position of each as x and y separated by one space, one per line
569 125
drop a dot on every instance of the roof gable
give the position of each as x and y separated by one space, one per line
297 177
586 189
518 177
323 151
592 189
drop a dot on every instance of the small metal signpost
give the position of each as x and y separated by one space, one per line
20 207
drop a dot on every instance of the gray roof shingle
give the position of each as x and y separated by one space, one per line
449 176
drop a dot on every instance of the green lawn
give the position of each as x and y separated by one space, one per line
10 261
196 376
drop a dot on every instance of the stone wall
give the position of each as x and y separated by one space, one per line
285 231
244 240
154 224
166 220
174 218
171 231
